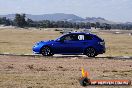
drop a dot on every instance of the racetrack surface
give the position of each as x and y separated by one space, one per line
59 71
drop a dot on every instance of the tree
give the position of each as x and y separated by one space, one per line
93 25
82 25
29 22
5 21
97 25
20 20
88 25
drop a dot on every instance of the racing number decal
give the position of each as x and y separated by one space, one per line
80 37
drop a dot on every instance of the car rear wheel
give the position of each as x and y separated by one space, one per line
90 52
46 51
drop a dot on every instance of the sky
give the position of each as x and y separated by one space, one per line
113 10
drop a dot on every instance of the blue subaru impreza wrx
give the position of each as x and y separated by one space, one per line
71 44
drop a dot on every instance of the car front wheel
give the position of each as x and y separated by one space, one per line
46 51
90 52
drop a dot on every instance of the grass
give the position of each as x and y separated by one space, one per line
21 41
117 44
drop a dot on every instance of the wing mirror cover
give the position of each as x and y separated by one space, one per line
60 40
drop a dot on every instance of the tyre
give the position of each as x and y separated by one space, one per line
46 51
90 52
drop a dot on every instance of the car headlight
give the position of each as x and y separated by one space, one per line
36 45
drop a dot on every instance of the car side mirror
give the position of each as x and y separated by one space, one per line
60 40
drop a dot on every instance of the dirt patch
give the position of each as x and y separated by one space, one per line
43 72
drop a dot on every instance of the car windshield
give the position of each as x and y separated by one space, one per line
59 37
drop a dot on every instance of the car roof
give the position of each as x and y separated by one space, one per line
79 33
94 35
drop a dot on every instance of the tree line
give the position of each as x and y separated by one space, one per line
21 21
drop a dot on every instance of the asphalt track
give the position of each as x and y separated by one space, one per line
68 56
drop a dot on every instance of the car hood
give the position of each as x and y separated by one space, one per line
45 42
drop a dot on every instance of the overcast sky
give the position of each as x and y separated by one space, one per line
114 10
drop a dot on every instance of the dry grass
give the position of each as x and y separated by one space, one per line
34 72
117 44
21 41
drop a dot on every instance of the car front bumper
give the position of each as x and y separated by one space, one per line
36 49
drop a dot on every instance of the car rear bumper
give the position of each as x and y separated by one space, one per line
102 50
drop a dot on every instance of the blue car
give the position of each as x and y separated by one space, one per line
71 44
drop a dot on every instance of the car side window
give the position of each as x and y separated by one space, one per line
68 38
76 37
88 37
72 37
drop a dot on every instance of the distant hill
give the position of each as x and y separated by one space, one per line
98 19
9 16
128 23
62 17
52 17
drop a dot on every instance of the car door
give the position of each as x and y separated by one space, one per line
78 43
72 44
61 46
67 46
